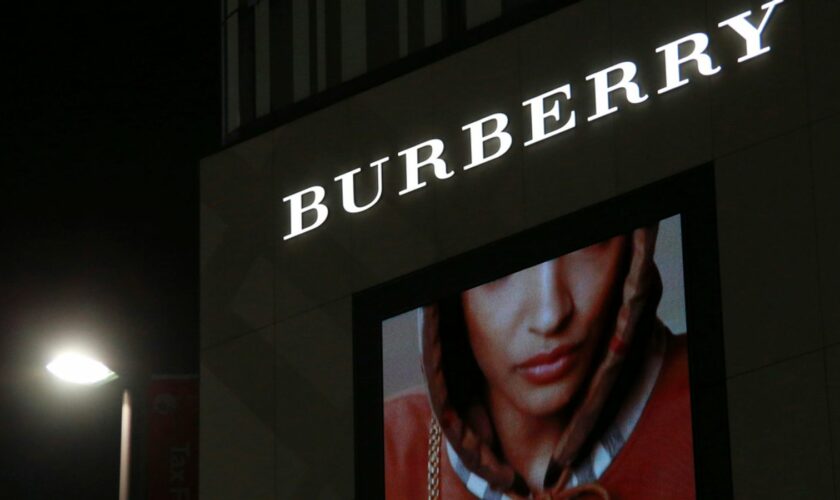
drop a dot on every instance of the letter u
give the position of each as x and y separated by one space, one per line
348 188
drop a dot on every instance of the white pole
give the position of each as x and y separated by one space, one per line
125 445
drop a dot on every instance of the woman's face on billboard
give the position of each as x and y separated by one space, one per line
535 333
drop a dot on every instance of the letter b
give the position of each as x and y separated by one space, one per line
477 139
297 209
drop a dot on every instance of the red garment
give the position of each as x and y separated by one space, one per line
656 462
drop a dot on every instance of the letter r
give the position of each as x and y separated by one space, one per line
413 164
603 89
673 61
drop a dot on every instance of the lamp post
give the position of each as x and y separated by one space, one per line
80 369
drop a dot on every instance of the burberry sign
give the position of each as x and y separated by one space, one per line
549 114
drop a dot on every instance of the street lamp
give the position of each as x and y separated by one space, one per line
80 369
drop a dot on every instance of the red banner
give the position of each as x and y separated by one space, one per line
173 438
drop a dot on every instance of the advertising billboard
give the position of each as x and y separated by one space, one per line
581 358
571 374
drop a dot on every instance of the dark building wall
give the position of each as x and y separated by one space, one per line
281 58
276 376
281 52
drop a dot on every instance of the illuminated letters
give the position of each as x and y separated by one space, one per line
673 61
477 139
348 193
538 113
547 113
751 34
603 88
297 210
413 164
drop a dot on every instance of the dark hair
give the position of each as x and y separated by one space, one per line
464 379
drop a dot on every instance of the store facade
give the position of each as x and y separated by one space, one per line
591 104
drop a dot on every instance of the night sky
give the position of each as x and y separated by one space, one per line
107 109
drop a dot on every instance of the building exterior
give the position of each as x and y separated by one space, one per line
496 117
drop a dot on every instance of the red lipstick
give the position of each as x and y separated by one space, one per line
550 366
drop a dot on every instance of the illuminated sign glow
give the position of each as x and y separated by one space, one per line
549 117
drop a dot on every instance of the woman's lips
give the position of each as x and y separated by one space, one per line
548 367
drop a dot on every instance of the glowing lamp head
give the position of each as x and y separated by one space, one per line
79 369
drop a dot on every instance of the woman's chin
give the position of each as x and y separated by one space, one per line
544 401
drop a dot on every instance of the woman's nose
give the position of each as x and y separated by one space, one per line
551 301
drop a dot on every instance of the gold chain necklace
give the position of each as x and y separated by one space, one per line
434 459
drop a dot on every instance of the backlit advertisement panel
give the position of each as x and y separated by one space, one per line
567 376
581 358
